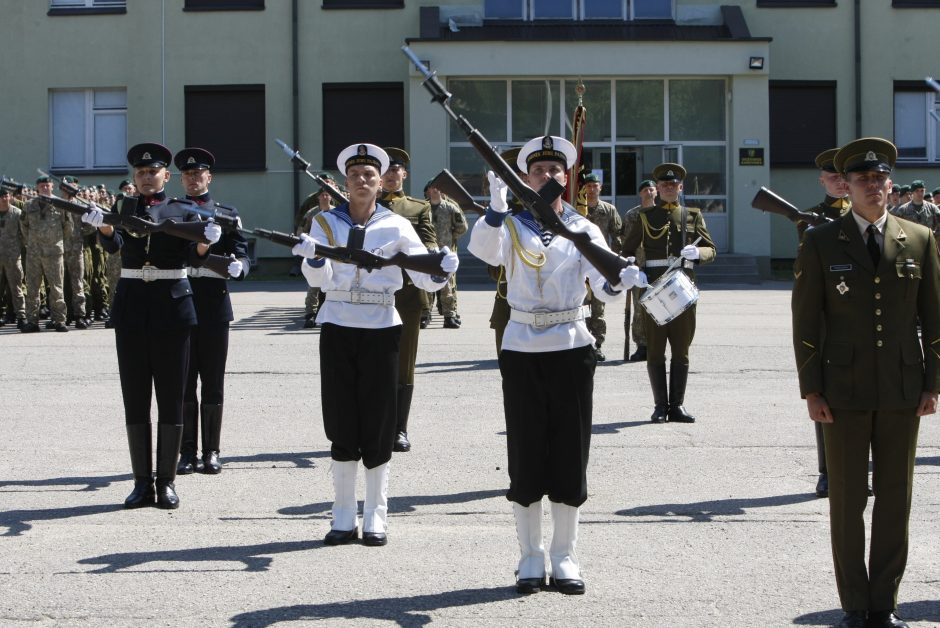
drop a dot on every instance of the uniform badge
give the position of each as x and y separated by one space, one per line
146 156
843 237
842 288
362 150
670 173
191 160
870 156
548 143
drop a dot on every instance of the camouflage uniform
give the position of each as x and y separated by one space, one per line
312 302
605 216
927 214
95 276
45 229
75 267
11 265
637 331
449 224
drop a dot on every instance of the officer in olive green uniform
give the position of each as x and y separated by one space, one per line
408 300
862 283
605 216
45 228
835 205
635 328
666 232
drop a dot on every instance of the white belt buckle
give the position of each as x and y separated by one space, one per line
147 273
540 319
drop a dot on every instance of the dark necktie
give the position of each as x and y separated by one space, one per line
872 244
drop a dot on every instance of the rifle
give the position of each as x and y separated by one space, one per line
608 263
449 185
192 231
224 220
219 264
767 201
428 263
302 164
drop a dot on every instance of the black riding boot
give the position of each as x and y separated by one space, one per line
405 391
168 447
140 445
657 373
822 484
678 377
211 435
189 462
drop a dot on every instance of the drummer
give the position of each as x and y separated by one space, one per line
666 232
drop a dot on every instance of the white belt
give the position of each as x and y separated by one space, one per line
657 263
547 319
361 297
152 273
202 271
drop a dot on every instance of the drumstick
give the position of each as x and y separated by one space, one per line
679 259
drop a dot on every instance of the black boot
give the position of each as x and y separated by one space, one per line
211 435
678 376
822 484
189 462
639 355
168 447
140 445
657 373
405 392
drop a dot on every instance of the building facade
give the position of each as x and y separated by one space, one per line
744 94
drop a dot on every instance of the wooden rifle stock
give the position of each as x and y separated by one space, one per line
428 263
191 231
608 263
767 201
219 264
449 185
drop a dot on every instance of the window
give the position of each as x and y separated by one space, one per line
361 112
915 4
794 4
88 129
363 4
632 125
802 121
577 9
229 122
84 7
916 121
223 5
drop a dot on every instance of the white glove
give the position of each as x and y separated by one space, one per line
689 251
498 189
93 217
450 261
213 232
307 247
235 268
632 277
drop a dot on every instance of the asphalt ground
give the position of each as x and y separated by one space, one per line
711 524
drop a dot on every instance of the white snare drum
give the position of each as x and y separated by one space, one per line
669 296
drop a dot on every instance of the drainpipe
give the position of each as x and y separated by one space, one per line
295 101
858 68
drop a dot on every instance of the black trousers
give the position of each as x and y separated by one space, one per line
153 362
208 352
359 388
548 400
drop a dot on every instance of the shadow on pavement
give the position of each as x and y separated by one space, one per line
458 366
408 612
19 521
253 557
273 318
613 428
401 504
919 461
702 512
300 459
926 610
90 483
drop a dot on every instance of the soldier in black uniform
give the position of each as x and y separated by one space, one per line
153 313
208 344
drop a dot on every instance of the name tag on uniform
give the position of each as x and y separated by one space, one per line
838 268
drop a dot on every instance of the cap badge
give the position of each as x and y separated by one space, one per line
670 173
191 160
362 150
146 156
870 156
548 143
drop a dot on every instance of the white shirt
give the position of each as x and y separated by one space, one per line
386 234
557 286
